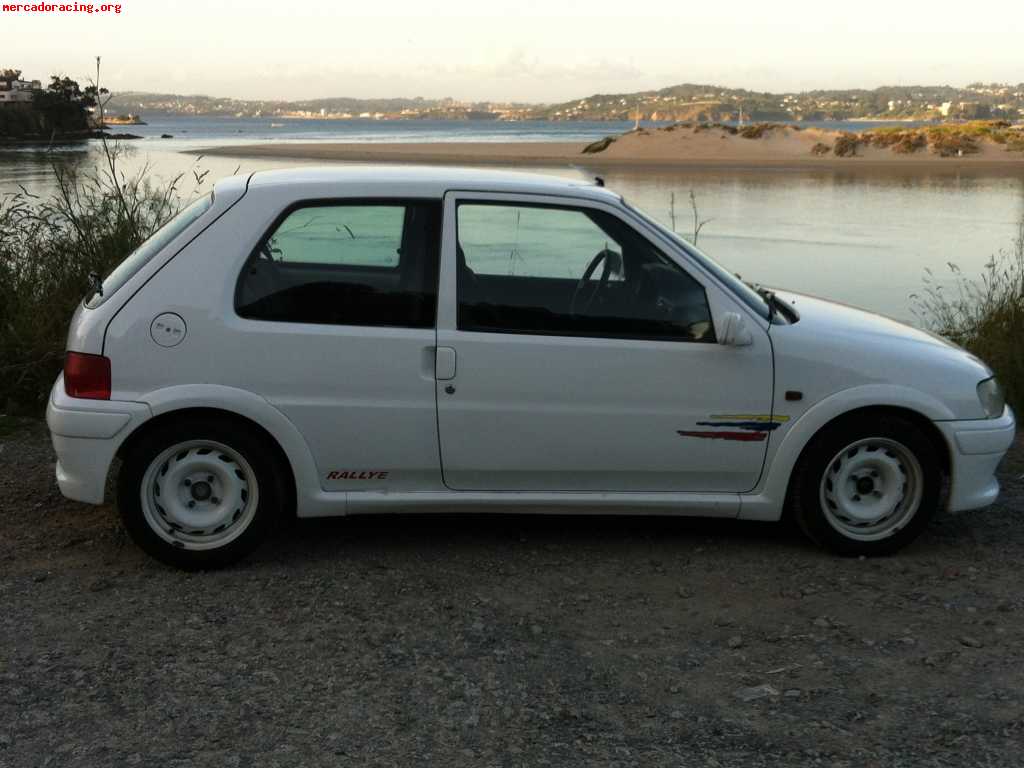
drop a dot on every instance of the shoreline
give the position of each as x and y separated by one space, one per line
751 155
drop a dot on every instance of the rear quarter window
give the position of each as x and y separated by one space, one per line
141 256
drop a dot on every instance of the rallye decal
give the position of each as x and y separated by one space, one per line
741 427
356 474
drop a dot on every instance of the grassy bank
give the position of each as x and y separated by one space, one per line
984 314
49 247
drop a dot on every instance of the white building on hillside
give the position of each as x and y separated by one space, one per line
13 91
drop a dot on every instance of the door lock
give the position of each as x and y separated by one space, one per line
450 389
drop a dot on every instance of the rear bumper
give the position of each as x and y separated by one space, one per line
976 448
86 435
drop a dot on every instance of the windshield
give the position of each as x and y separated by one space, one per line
746 294
138 258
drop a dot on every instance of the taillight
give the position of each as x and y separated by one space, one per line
87 376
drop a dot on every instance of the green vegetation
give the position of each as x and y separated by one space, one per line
60 110
49 247
948 140
760 130
985 315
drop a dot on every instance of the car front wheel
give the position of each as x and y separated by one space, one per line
200 494
867 486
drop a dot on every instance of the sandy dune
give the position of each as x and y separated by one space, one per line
675 146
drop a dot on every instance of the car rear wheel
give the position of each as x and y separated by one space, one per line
200 494
867 486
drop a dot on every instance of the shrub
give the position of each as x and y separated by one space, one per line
820 149
946 143
846 144
732 130
985 315
757 130
909 143
599 146
901 141
48 248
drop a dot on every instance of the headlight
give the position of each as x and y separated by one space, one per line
992 399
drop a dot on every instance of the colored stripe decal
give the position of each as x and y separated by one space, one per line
759 426
745 437
750 417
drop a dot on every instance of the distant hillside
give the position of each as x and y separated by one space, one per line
712 103
684 102
140 102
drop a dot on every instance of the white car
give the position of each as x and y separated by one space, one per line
319 342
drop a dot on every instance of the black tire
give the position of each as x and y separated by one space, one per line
817 458
243 439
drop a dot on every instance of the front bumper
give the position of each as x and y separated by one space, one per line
976 448
86 434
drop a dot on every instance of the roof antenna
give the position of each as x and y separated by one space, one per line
599 181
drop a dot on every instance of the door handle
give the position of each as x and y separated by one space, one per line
444 364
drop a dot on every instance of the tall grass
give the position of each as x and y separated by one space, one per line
48 248
984 314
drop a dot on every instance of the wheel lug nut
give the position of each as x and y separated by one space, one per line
209 478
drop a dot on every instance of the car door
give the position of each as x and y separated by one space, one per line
335 317
562 369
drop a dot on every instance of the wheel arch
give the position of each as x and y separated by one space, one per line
220 414
926 425
769 501
241 406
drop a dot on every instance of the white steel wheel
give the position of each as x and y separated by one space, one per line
871 489
199 495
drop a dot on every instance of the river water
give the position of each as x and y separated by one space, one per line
865 239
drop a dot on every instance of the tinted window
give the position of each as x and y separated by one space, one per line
346 264
565 271
138 258
353 235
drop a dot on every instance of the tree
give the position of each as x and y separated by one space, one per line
65 89
91 97
7 75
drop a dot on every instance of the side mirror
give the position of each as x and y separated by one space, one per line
734 331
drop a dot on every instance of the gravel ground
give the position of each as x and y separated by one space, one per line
506 641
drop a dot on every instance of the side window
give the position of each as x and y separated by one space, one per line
340 235
533 242
346 264
571 272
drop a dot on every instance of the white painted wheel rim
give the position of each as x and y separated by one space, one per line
871 489
199 495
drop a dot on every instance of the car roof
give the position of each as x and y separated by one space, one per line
420 181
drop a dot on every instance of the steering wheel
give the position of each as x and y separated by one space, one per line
611 260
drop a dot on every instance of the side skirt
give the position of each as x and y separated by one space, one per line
383 502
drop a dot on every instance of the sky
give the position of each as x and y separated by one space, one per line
527 50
